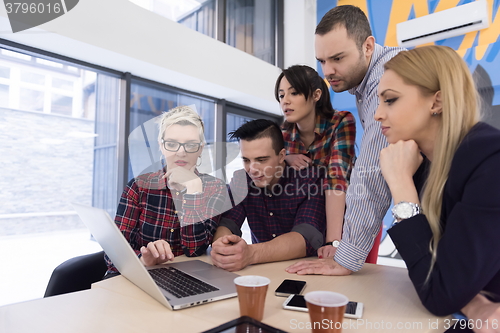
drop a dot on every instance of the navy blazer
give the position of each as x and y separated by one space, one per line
468 254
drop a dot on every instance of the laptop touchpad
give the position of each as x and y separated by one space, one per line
211 273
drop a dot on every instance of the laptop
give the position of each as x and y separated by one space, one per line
175 285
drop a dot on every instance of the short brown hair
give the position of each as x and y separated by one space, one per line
352 18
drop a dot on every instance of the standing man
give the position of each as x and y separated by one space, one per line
351 60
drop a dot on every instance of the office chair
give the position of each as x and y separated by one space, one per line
76 274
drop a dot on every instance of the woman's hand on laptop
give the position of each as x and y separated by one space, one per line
157 252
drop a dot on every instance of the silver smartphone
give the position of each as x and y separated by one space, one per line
298 303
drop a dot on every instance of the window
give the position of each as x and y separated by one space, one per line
62 84
61 104
4 95
45 86
31 100
233 156
4 72
58 127
251 26
202 18
64 129
199 15
235 117
248 25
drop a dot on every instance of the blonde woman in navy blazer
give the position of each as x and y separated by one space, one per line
442 167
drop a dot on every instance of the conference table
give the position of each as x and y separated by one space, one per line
117 305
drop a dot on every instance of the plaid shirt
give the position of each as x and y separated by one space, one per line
149 211
295 203
333 147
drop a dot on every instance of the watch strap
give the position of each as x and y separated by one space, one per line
334 243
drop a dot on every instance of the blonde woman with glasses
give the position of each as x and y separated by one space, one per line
175 210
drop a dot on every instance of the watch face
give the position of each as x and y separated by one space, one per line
403 210
335 243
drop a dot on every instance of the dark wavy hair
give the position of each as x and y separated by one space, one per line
305 80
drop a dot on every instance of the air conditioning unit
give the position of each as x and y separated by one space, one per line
444 24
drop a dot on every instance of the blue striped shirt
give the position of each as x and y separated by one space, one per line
368 196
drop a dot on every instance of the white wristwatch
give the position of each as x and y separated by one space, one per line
334 243
404 210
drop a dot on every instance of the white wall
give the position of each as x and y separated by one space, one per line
120 35
300 23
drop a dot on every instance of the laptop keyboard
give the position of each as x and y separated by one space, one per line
179 283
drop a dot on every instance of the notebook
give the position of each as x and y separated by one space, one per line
190 283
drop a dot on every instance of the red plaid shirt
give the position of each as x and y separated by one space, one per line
333 147
149 211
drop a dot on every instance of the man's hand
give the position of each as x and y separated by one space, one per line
156 253
318 267
327 251
231 253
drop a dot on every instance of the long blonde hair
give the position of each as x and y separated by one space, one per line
432 69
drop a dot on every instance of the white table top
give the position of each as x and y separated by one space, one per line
116 305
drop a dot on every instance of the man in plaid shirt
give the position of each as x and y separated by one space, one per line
285 208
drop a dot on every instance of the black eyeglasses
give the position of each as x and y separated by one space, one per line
189 147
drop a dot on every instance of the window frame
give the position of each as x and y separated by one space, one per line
221 110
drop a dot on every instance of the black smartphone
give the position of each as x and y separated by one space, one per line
298 303
290 287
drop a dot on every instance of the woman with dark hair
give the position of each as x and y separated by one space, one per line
316 134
